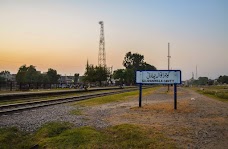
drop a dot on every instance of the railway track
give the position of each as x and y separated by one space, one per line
11 108
12 96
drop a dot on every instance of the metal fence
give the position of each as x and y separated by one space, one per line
14 86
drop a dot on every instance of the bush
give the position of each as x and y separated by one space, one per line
222 95
14 138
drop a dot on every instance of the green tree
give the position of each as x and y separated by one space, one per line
147 66
2 79
90 74
3 75
52 75
45 79
5 72
129 76
31 74
202 80
76 77
101 74
133 62
21 74
210 82
26 75
119 75
223 79
39 77
95 74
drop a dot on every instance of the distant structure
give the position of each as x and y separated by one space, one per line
101 55
168 57
168 62
196 73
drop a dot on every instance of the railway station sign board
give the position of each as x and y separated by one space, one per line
158 77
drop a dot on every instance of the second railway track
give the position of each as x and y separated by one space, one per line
11 108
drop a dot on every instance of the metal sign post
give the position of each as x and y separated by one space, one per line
175 96
158 77
140 94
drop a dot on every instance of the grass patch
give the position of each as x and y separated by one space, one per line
114 98
135 136
166 107
63 135
217 92
13 138
52 129
76 112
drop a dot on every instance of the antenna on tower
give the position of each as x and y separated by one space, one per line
101 55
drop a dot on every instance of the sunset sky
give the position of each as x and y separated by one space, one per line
63 34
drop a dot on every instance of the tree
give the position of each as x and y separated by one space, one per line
147 66
129 76
45 79
202 80
133 62
76 77
2 79
223 79
4 72
101 74
26 75
210 82
95 74
31 74
52 75
39 77
119 75
90 74
21 74
3 76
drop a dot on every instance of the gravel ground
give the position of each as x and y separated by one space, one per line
199 121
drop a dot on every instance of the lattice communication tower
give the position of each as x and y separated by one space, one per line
101 55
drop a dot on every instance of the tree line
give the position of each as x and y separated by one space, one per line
206 81
28 77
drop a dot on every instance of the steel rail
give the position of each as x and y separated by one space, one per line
11 108
7 96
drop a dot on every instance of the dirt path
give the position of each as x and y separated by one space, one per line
199 121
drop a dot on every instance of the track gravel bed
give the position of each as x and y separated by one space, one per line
199 121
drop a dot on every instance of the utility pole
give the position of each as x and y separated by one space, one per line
101 55
168 63
196 73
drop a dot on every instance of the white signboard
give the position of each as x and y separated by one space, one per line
159 77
